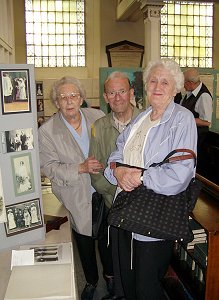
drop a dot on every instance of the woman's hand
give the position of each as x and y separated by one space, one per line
128 178
90 165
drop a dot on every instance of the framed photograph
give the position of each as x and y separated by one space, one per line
2 203
135 76
40 105
23 216
15 91
17 140
22 171
39 88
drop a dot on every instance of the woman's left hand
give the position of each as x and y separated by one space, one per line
128 178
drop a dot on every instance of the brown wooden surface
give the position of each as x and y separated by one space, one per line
206 213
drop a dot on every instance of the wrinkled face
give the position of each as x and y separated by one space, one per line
69 101
118 94
160 88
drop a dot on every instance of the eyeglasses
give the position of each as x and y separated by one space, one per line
72 96
113 94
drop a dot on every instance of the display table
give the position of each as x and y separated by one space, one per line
54 208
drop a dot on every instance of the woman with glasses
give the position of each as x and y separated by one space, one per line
64 146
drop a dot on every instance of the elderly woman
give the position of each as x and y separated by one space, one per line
64 146
163 127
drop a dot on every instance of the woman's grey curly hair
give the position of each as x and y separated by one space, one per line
169 65
54 93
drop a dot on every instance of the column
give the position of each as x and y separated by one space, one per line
151 14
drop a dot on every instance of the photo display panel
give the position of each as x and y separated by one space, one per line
21 214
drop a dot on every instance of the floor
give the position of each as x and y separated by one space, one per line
101 288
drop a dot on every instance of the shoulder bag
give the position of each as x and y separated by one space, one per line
148 213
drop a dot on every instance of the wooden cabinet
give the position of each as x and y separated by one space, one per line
206 213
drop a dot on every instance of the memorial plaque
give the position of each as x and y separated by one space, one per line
125 54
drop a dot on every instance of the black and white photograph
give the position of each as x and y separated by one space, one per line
23 216
15 91
39 89
22 174
40 105
2 203
17 140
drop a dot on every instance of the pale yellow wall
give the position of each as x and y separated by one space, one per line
113 31
216 38
6 32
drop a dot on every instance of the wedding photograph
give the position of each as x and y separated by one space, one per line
23 216
15 91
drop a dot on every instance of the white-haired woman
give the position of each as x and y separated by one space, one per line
163 127
64 147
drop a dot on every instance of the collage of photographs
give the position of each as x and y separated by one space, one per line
18 143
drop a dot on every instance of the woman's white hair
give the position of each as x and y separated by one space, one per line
171 66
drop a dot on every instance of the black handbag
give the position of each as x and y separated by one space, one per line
98 206
148 213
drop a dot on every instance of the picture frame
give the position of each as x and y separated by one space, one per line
23 216
2 202
17 140
40 105
22 172
15 91
135 76
39 89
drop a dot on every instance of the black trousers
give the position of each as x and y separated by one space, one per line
114 233
150 263
87 252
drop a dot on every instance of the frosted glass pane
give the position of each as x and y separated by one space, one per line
59 17
45 50
202 52
52 50
184 30
59 39
177 51
196 51
51 17
170 51
183 41
51 28
59 50
45 39
190 31
190 51
190 21
51 5
196 30
177 41
171 19
51 39
183 20
177 30
196 41
66 51
170 30
59 29
190 41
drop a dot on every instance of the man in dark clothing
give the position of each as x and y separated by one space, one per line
198 100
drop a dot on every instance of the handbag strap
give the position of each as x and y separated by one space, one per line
168 159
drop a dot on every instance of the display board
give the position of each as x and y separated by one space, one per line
21 215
